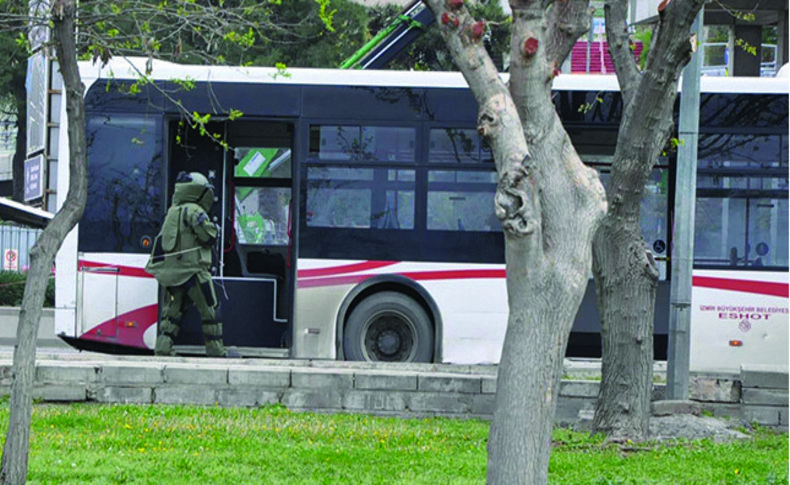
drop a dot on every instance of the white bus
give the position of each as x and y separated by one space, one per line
357 213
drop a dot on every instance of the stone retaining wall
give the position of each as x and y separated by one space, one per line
413 390
764 395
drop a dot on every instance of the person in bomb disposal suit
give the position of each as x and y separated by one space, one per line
181 262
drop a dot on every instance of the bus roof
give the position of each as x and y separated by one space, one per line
133 67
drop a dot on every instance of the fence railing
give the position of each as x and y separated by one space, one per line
15 244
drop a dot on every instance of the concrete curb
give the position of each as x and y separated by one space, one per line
406 390
9 318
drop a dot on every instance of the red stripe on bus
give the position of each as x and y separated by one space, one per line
346 268
116 269
333 281
746 286
128 329
459 274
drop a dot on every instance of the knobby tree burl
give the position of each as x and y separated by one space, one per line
550 205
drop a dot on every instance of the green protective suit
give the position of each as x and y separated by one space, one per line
181 263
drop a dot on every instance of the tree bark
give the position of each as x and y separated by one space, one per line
42 255
626 276
549 204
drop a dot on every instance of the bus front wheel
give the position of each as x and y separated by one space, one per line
388 327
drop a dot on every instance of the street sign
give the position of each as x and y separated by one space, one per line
11 260
36 86
34 184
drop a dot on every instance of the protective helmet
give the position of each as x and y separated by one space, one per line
193 187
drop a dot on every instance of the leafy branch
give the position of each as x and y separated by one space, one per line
746 16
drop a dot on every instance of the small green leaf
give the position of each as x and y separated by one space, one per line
325 14
235 114
281 71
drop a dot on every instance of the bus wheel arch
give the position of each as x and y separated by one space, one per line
387 295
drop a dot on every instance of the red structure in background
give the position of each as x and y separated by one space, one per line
600 60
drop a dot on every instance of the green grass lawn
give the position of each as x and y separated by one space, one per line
91 443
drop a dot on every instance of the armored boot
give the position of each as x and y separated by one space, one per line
168 332
212 335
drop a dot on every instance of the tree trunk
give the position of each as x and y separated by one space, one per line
626 278
547 273
549 204
625 274
42 255
544 294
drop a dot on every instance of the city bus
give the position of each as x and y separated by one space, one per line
356 212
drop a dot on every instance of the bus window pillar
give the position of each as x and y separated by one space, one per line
747 63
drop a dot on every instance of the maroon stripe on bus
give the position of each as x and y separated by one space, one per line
746 286
346 268
116 269
458 274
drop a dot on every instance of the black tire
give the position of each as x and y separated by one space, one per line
388 327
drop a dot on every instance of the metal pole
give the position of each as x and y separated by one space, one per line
683 229
589 46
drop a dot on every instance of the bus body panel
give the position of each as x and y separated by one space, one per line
116 300
66 284
323 286
474 312
738 317
470 297
471 300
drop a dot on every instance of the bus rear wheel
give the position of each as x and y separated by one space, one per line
388 327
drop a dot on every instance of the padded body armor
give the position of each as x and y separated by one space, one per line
182 248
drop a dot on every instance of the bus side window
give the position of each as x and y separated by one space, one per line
762 250
261 215
462 200
360 198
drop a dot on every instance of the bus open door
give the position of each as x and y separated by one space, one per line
252 177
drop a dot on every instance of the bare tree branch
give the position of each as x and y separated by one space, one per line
530 73
565 23
672 40
620 48
497 114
